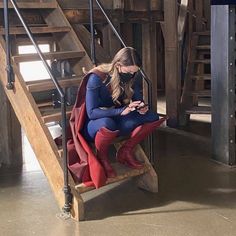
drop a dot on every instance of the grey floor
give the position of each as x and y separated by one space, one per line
197 197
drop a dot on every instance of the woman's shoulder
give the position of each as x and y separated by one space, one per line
94 81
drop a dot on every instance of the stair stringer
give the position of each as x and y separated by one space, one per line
70 41
38 134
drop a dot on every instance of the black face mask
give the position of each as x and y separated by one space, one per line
126 77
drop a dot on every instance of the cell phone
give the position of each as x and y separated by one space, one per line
138 108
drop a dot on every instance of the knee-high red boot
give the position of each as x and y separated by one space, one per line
103 139
125 153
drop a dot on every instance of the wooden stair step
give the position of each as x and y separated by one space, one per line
201 61
44 104
48 84
201 77
199 110
201 93
202 33
122 174
203 47
49 56
37 30
33 5
50 115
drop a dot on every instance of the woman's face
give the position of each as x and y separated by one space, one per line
128 69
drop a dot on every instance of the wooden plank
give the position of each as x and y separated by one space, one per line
143 16
123 173
202 33
201 93
33 5
203 47
48 56
82 4
201 61
37 30
48 84
54 117
199 110
202 76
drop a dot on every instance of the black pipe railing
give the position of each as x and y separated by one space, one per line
10 75
93 52
67 191
149 83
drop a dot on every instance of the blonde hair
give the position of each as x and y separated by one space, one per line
127 56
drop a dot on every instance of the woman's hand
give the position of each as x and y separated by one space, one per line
142 108
131 107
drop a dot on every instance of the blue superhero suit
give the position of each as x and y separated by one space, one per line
102 112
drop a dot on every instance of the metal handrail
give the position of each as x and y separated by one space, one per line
93 52
147 80
66 188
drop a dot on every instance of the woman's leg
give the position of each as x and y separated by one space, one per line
126 124
93 126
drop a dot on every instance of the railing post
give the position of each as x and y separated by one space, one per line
10 75
67 190
92 42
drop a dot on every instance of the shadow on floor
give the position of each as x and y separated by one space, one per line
186 173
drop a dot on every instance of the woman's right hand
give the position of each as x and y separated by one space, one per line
131 107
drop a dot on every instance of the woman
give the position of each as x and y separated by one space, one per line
115 107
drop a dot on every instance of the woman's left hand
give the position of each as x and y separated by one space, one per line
142 110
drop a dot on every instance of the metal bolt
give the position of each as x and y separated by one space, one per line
232 116
231 37
231 63
231 141
231 90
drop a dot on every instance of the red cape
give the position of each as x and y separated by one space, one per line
82 161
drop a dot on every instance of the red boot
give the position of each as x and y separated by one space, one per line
103 139
125 153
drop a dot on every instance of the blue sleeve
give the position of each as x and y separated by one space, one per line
137 92
93 100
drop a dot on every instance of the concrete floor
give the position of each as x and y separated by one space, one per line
197 197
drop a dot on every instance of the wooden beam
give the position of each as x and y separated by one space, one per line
84 36
75 16
143 16
149 58
83 4
171 61
110 42
10 134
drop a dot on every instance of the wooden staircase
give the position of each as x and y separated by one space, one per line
197 77
34 114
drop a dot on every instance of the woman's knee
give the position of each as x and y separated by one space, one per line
108 123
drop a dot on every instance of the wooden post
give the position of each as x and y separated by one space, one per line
172 77
10 134
149 58
110 42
